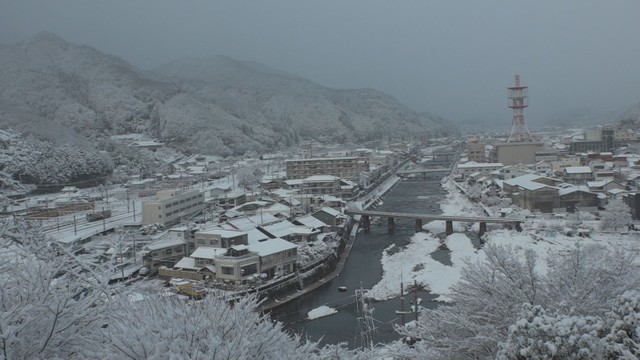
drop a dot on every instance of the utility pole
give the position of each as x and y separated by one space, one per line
402 303
415 298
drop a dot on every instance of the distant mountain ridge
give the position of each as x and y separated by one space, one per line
58 90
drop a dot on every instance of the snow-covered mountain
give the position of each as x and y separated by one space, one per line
57 90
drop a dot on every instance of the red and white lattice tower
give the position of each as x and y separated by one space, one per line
518 101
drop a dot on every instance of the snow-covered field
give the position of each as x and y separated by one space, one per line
321 311
415 263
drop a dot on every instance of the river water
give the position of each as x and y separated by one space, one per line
363 270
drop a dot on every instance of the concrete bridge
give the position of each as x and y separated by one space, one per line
426 173
448 219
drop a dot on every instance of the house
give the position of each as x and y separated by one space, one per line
273 257
577 175
231 199
313 223
218 237
277 256
604 185
331 217
290 232
533 192
166 251
238 263
578 196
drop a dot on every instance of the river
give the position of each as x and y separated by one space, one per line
363 269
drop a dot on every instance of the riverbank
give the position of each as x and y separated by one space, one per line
349 237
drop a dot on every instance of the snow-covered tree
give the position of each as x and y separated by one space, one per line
623 323
167 327
580 284
248 177
50 300
617 215
587 279
486 301
541 334
538 334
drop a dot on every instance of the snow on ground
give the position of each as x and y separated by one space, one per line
321 311
439 226
456 203
416 263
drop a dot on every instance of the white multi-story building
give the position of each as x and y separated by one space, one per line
343 167
172 205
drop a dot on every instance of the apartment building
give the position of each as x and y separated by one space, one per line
342 167
172 205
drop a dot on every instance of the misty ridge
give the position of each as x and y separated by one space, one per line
65 93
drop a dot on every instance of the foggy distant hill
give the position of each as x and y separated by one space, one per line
631 118
70 93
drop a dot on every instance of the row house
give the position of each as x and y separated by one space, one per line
269 258
544 194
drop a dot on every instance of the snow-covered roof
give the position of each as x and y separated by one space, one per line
320 178
255 235
597 184
578 170
616 191
572 189
187 263
165 242
332 212
310 221
271 246
293 182
285 228
325 159
527 182
223 233
250 222
473 164
208 252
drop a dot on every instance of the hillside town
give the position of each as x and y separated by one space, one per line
319 180
278 222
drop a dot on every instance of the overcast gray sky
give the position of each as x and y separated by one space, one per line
454 58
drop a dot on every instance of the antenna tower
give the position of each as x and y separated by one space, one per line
518 101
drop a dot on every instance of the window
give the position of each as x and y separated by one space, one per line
227 270
168 252
249 269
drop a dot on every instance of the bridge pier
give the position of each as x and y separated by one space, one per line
366 223
391 225
449 227
518 226
418 225
483 228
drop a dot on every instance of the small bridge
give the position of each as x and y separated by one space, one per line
426 173
448 219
